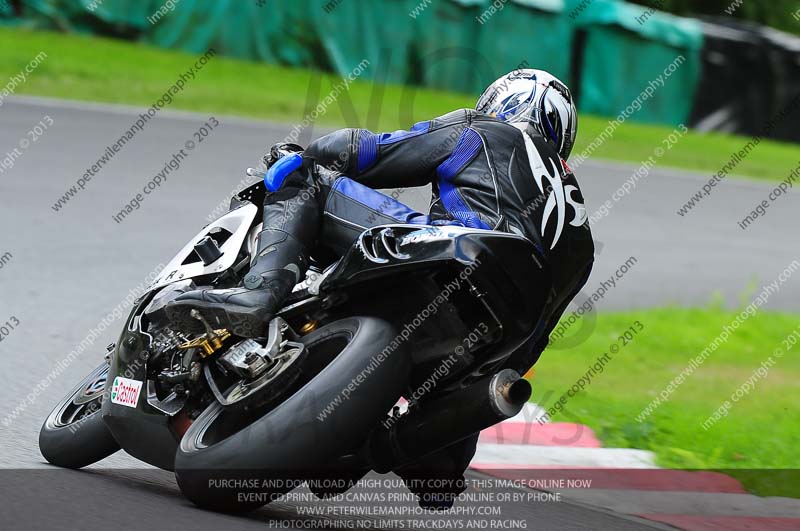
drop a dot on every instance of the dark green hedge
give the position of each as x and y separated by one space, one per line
776 13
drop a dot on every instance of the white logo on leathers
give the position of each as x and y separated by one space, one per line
580 216
560 195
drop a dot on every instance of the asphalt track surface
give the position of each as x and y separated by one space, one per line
69 268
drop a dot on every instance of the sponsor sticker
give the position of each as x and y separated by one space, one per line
125 392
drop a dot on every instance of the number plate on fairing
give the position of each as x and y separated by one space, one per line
187 265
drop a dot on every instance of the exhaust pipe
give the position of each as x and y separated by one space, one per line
449 419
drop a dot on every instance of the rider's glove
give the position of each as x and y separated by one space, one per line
278 151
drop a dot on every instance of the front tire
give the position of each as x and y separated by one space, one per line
221 455
74 434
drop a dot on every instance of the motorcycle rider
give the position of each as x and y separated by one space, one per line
501 166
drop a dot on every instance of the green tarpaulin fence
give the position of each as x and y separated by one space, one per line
622 56
459 45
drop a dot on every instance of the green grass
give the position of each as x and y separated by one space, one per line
110 71
759 428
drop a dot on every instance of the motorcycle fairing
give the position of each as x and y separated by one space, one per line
506 272
229 231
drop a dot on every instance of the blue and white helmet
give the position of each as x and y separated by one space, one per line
539 98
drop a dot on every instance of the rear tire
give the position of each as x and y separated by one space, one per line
218 460
74 434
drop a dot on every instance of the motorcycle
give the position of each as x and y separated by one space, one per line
429 313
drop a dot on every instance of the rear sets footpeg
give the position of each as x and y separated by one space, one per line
208 343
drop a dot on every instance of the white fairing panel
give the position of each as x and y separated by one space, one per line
187 265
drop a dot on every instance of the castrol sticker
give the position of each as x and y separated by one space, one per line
125 392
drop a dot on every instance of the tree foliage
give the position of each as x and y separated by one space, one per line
780 14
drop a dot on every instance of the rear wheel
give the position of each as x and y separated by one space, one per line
350 379
74 434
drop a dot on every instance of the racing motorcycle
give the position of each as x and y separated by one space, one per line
429 313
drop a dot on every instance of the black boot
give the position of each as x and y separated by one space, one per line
291 221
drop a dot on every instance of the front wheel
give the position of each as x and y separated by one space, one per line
74 434
354 372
